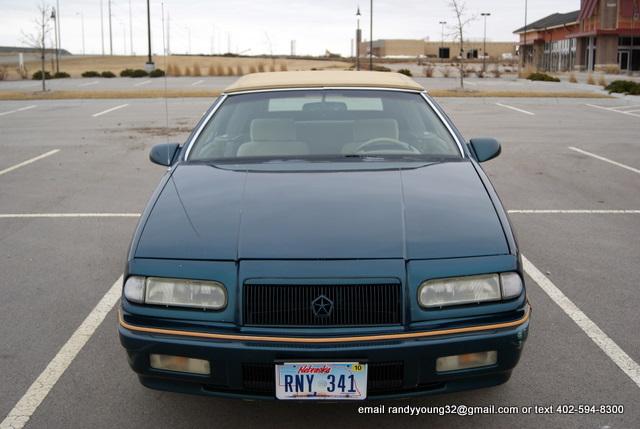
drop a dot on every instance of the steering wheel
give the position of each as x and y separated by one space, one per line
381 143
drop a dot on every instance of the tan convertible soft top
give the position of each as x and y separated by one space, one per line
320 79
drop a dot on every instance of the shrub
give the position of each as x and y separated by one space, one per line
543 77
480 74
283 67
196 70
38 75
591 80
405 72
611 69
496 71
428 71
139 73
507 70
624 87
572 78
239 70
446 72
260 68
187 71
90 73
126 73
602 81
177 71
272 67
107 74
252 69
229 71
61 75
211 71
3 72
219 70
156 73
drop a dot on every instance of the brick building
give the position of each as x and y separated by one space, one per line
603 34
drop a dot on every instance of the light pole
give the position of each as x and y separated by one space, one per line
130 30
124 37
82 27
110 30
54 16
358 38
58 38
524 41
101 28
371 35
484 42
149 65
443 23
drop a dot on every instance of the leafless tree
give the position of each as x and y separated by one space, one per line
459 8
37 39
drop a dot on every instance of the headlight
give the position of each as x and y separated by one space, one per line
467 290
176 292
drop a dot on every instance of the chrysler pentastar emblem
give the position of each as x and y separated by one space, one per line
322 306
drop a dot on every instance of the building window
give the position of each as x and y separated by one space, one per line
444 53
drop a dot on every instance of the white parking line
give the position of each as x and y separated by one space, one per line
22 109
95 115
575 211
515 108
65 215
602 158
613 109
40 388
197 83
144 82
94 82
606 344
29 161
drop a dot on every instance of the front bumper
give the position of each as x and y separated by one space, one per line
399 366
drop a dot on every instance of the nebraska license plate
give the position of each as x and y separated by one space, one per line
321 380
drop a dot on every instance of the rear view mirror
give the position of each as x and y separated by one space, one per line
485 148
163 154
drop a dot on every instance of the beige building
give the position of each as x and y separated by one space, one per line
447 50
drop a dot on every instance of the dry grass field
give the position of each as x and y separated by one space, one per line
179 65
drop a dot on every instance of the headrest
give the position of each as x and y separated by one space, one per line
273 130
367 129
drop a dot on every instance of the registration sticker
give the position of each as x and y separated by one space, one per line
321 380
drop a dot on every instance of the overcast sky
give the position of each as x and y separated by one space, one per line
265 26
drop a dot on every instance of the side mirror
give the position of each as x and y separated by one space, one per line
485 148
163 154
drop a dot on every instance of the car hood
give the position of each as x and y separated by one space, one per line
439 210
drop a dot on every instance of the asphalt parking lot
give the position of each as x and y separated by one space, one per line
569 173
506 83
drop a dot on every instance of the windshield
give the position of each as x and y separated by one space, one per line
318 124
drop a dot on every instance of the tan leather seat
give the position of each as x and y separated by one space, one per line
273 137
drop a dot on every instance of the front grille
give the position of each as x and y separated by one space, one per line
308 305
382 377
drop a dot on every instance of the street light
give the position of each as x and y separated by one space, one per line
358 38
149 66
484 42
443 23
55 28
371 35
82 26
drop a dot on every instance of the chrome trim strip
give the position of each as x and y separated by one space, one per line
445 122
204 124
320 88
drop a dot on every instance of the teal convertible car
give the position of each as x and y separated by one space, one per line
324 236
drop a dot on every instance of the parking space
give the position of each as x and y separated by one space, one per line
54 270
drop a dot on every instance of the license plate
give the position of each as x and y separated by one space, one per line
321 380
